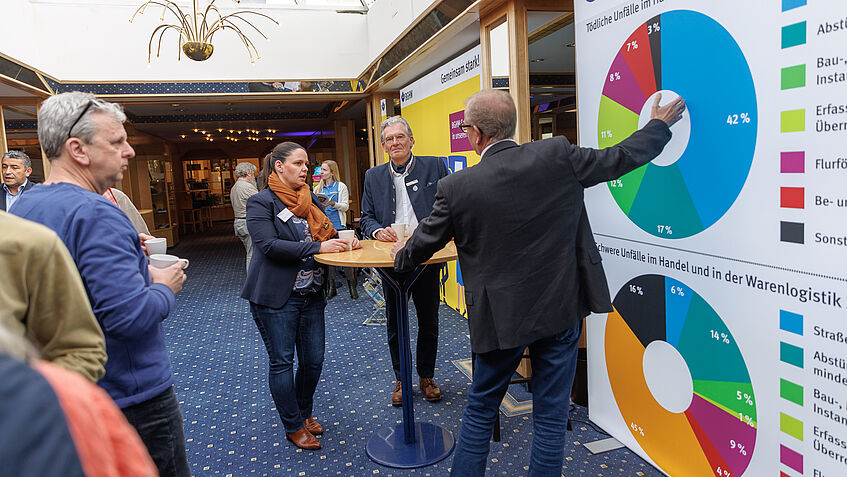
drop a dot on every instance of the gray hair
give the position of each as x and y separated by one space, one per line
58 113
493 112
27 162
391 122
244 168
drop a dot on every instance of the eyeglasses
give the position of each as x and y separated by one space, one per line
397 138
464 127
84 110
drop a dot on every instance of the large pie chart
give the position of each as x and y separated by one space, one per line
679 379
701 172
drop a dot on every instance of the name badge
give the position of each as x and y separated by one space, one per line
412 182
284 215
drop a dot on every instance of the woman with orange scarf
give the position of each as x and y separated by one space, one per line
285 285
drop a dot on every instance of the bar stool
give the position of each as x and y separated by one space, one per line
205 217
191 217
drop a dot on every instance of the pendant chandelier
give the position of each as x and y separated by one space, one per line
197 29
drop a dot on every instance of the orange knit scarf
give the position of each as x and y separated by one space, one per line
299 202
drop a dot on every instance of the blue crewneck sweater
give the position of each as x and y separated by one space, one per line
129 307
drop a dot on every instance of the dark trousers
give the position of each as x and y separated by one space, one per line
158 422
297 326
553 367
425 295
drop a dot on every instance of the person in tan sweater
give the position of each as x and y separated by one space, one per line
43 299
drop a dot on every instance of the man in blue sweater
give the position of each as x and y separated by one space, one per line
86 143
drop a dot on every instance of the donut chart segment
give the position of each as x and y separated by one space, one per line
651 425
735 398
730 436
622 87
636 51
720 87
620 123
718 429
708 346
677 301
715 459
663 202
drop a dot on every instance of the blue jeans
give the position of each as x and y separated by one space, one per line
553 367
159 424
298 325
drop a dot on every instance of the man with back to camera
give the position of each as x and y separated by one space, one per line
403 191
17 166
243 189
85 141
529 276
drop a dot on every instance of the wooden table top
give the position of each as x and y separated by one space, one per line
378 254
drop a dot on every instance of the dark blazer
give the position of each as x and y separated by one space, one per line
278 251
521 232
378 196
29 185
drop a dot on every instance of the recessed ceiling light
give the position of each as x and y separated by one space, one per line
176 105
182 136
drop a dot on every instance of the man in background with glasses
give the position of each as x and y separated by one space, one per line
85 141
17 167
403 191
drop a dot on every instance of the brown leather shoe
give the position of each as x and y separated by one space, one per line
303 439
313 426
397 395
430 390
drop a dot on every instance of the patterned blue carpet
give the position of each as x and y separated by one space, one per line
232 427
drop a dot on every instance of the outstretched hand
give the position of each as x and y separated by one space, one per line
669 113
396 248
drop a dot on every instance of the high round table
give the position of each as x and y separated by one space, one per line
420 443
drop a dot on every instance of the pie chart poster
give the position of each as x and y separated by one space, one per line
725 354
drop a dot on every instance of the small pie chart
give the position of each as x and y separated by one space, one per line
702 170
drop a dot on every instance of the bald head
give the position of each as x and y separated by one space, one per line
493 112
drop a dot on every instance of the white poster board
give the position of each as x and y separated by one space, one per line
726 354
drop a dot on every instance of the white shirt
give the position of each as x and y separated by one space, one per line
11 199
403 212
493 143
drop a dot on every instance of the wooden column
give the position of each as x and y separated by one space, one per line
345 156
513 13
4 145
375 115
45 163
519 67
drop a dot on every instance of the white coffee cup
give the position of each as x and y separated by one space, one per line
156 245
347 236
163 260
400 230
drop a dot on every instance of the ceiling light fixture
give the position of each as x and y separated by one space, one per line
196 31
